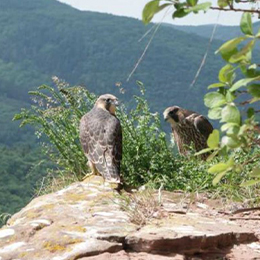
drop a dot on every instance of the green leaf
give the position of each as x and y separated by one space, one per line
253 100
230 96
230 114
199 7
255 173
233 130
221 169
217 168
17 117
150 9
212 155
250 112
226 126
214 99
192 2
225 74
215 113
243 82
230 45
213 139
217 179
226 55
216 85
230 162
241 55
230 142
250 183
254 90
222 3
179 13
246 24
206 150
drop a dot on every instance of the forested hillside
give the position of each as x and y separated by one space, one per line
43 38
222 33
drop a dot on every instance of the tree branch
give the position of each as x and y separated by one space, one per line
235 10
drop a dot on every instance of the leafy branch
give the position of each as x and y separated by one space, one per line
238 132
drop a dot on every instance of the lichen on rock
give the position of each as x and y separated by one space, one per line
87 221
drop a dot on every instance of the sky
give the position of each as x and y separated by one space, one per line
133 8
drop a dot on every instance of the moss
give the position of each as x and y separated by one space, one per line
52 247
76 228
72 197
75 241
49 206
30 214
23 254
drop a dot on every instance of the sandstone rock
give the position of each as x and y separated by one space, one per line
85 221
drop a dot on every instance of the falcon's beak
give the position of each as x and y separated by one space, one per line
116 103
165 116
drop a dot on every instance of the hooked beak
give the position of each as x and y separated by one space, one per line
116 103
165 115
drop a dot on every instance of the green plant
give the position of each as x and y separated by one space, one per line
148 159
4 218
56 118
239 131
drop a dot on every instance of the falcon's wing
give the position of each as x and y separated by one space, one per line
85 133
203 126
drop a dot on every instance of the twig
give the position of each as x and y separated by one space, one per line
245 210
146 33
146 47
241 218
42 183
235 10
251 160
160 194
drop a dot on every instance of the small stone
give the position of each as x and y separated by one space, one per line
6 233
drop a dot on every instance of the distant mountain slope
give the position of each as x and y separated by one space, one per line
44 38
222 33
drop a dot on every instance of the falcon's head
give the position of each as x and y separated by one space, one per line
172 114
107 102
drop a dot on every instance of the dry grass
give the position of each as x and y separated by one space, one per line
141 206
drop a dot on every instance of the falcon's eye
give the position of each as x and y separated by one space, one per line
108 100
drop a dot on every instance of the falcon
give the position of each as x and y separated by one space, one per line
101 138
188 128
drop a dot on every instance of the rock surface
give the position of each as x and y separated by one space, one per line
86 221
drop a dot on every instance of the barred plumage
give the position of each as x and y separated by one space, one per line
101 138
188 128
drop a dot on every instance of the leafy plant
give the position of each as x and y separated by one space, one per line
239 131
56 117
148 159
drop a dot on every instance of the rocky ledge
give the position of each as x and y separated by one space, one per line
90 220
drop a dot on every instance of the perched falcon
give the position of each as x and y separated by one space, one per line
188 128
101 138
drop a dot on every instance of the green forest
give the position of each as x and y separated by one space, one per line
44 38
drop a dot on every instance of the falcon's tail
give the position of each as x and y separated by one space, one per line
112 174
